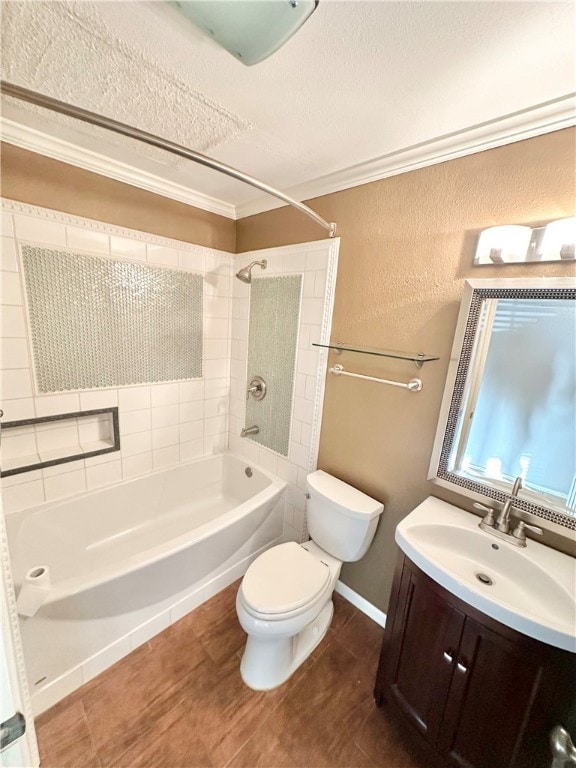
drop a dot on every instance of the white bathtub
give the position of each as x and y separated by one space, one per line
128 560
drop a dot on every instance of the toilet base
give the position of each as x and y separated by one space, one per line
268 662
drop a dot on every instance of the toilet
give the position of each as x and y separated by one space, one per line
284 602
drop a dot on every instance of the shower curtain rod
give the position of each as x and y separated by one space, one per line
32 97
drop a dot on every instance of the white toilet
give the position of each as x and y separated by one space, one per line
284 602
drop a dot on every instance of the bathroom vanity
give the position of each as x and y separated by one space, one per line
480 692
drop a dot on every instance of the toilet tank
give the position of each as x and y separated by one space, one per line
341 519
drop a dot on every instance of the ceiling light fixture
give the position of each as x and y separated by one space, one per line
251 30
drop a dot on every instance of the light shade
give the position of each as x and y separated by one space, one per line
499 245
559 240
251 30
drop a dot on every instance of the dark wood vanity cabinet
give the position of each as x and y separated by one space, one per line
480 694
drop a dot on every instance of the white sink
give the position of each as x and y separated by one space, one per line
532 589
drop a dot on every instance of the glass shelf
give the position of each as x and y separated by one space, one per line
419 358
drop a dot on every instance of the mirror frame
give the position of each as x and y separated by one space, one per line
475 291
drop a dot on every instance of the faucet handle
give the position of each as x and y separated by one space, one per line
519 531
488 519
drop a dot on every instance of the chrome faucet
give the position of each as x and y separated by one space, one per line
503 519
504 527
248 431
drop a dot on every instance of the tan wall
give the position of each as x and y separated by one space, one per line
38 180
407 246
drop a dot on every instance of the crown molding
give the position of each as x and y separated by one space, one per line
525 124
43 144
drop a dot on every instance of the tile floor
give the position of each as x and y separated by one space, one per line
179 702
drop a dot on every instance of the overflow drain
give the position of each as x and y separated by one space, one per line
484 578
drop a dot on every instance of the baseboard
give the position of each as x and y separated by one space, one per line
361 603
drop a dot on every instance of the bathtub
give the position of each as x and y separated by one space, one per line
126 561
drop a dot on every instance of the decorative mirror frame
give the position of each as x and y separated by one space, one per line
475 292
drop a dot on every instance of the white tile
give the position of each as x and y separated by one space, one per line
310 388
216 328
300 385
295 430
62 469
64 440
217 406
304 336
298 519
303 410
190 390
135 421
15 410
127 248
287 471
12 322
291 534
217 307
7 224
192 449
106 658
191 430
235 443
193 261
15 384
269 460
103 398
15 446
316 260
10 292
166 457
160 254
23 496
68 484
214 426
293 262
96 428
88 240
22 477
308 285
39 230
103 458
164 394
134 398
150 629
52 405
319 284
240 330
215 444
134 466
307 362
311 310
219 387
250 450
215 349
306 435
14 353
299 454
215 369
8 255
165 416
141 442
192 411
165 436
104 474
302 478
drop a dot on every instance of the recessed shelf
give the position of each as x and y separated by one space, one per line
419 358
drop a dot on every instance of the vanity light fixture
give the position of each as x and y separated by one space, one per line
514 243
251 30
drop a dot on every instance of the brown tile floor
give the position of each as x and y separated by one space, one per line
179 702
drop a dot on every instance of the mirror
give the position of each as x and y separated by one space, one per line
509 408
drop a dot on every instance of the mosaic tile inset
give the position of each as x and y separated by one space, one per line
273 334
98 322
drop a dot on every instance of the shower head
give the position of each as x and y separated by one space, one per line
245 274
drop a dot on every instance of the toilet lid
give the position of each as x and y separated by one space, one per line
283 579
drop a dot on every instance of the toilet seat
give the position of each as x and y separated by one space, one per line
284 580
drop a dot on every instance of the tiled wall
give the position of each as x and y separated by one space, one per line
317 263
160 424
164 424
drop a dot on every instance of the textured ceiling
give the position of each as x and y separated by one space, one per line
360 81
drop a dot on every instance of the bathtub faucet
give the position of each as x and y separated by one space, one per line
247 431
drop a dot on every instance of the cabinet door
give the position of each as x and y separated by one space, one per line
421 653
493 690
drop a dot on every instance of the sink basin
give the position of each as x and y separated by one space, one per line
531 589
